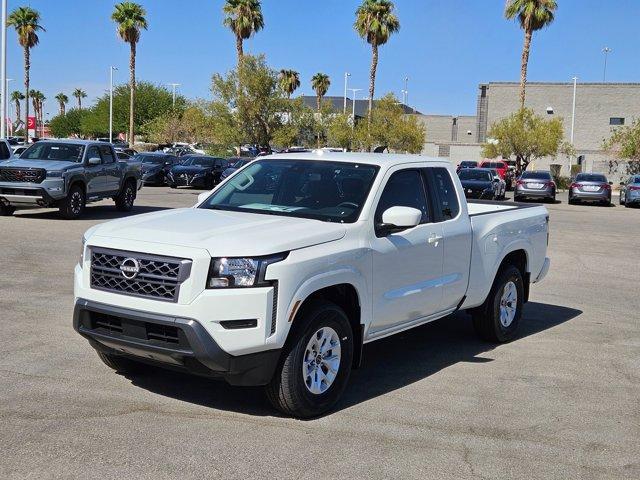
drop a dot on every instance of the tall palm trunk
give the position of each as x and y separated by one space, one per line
27 66
79 102
523 67
239 48
61 112
372 77
318 102
132 82
18 112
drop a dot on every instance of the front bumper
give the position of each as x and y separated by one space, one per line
153 178
168 341
25 195
183 180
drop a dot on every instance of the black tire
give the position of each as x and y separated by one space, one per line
172 185
121 364
124 200
288 390
517 198
486 318
572 201
73 205
6 210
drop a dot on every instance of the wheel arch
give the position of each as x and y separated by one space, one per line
519 258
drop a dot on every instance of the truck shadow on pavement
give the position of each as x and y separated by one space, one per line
388 364
100 212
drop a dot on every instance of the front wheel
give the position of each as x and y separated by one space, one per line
73 205
6 210
497 319
316 363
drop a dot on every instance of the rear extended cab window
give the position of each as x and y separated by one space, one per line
444 195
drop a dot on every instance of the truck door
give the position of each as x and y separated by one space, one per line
456 229
407 266
111 169
94 173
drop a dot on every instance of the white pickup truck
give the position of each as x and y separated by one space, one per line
280 274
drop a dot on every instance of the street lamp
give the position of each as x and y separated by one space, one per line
353 104
573 118
606 51
405 92
174 86
111 69
346 77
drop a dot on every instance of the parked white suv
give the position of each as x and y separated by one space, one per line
280 274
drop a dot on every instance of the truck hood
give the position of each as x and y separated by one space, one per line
49 165
223 233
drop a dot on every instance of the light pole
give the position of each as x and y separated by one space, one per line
111 69
573 118
3 73
406 91
174 86
606 51
353 105
346 78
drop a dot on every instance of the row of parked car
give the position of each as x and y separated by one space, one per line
489 180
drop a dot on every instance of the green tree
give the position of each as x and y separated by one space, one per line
16 97
525 136
68 124
62 102
532 15
390 127
375 22
340 131
79 94
26 22
243 18
289 81
320 83
130 20
253 113
151 101
191 125
624 146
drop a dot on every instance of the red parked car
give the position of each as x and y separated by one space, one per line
499 165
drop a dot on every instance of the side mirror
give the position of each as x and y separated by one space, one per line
610 183
202 197
95 161
397 219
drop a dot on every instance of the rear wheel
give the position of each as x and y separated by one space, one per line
73 205
124 200
316 363
497 319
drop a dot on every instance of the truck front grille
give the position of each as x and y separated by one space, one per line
22 175
138 274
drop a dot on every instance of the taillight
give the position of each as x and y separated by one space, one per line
633 187
519 182
576 185
606 186
550 184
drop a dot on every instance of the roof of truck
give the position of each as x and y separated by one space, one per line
380 159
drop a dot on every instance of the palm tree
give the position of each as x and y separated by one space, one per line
26 21
289 81
320 82
130 18
79 94
375 22
62 102
17 96
37 99
244 18
533 15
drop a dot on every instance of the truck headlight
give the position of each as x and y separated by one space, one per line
84 242
240 272
54 174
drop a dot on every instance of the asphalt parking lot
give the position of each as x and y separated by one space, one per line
561 401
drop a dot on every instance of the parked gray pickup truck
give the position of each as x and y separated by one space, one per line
68 174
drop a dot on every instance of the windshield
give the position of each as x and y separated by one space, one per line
239 163
468 164
155 159
64 152
590 177
493 165
475 175
199 161
327 191
536 175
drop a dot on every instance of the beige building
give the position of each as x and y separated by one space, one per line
600 108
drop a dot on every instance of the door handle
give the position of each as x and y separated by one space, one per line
434 239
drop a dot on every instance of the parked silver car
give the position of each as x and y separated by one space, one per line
535 184
630 191
590 187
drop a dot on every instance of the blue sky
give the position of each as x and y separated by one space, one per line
445 47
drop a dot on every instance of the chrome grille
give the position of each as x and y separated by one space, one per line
157 277
22 175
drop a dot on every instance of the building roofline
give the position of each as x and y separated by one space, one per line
604 84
